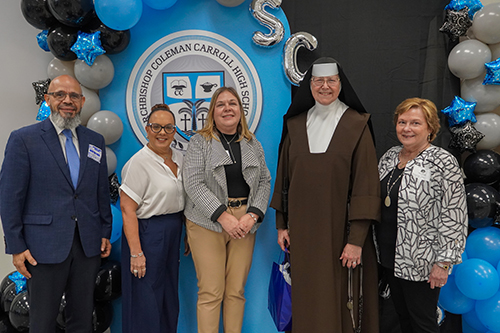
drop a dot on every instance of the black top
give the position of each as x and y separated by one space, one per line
387 230
237 187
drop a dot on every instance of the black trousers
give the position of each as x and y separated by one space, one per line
76 277
415 303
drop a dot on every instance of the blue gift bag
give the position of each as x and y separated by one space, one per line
280 295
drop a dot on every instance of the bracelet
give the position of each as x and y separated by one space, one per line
140 254
443 266
253 216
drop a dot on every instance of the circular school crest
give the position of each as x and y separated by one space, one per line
183 70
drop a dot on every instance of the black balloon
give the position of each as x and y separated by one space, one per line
75 13
60 41
19 312
483 167
482 204
108 284
61 318
5 325
6 281
37 13
112 41
102 316
8 296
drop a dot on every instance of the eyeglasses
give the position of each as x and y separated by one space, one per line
61 95
317 82
156 128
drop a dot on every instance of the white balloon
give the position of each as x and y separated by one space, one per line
466 60
111 161
97 76
495 51
489 125
486 24
58 67
487 96
92 104
108 124
230 3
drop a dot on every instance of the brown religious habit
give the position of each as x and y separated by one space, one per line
333 198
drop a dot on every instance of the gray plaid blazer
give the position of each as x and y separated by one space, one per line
205 179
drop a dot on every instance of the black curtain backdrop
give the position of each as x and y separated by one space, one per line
390 50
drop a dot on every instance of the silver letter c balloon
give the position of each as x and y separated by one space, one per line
292 46
277 30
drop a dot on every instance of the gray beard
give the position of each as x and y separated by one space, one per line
65 123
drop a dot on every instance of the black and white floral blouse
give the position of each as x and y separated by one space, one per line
432 212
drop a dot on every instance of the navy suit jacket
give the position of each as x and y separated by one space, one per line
39 206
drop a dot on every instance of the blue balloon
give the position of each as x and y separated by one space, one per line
488 312
116 232
160 4
484 243
474 324
452 299
477 279
119 14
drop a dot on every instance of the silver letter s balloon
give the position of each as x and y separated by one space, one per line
277 30
292 45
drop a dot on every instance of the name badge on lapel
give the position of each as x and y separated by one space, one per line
95 153
422 173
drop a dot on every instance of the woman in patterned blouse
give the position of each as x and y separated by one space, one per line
424 216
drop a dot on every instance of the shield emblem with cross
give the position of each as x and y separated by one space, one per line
188 94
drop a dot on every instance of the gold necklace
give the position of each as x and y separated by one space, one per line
387 201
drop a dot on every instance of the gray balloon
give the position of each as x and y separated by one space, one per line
466 60
486 23
292 46
487 97
277 30
97 76
108 124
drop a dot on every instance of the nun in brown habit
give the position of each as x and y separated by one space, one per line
326 198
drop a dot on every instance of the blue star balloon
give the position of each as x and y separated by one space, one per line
19 280
492 72
41 38
43 111
88 46
459 112
474 6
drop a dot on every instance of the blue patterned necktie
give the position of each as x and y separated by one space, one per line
72 157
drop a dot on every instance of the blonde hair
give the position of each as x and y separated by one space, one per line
209 131
428 109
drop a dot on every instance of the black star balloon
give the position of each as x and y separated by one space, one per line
465 137
114 186
456 23
40 89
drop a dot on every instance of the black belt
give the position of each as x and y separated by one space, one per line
237 203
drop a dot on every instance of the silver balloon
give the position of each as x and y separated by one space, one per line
292 46
230 3
277 30
486 23
58 67
97 76
466 60
487 97
489 125
91 106
495 51
108 124
111 161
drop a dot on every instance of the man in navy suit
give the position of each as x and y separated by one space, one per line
57 227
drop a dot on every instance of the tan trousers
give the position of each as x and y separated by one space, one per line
222 265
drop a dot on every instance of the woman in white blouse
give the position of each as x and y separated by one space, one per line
424 216
152 201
